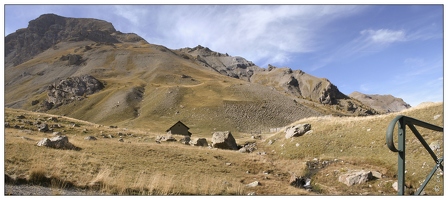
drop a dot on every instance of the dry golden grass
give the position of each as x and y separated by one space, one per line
139 166
361 142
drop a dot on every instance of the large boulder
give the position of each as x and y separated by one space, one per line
58 142
185 140
355 177
224 140
297 130
199 142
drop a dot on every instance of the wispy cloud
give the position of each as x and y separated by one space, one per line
261 33
383 36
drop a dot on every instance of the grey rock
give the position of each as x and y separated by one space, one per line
57 133
248 148
90 138
185 140
43 127
253 184
297 130
355 177
199 142
435 145
299 182
224 140
58 142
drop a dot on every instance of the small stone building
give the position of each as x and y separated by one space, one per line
179 128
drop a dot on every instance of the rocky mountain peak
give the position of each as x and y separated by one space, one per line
223 63
49 29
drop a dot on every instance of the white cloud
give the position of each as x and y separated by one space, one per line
384 36
268 33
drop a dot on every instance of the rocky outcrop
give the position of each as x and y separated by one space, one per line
381 103
233 66
297 130
71 89
49 29
300 84
58 142
224 140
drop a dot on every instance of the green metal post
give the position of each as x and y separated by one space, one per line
401 153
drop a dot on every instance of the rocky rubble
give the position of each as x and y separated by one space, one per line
70 89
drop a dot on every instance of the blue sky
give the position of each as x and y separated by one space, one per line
373 49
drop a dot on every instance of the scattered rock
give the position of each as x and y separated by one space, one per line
436 117
21 117
395 186
25 138
297 130
90 138
355 177
167 138
248 148
253 184
300 182
120 140
199 142
58 142
271 142
54 119
34 102
224 140
185 140
434 145
57 133
377 174
42 127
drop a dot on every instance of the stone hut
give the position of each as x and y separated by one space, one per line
179 128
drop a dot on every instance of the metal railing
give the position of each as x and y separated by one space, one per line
410 122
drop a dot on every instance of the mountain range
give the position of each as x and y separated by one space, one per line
85 69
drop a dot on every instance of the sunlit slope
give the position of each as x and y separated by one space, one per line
152 87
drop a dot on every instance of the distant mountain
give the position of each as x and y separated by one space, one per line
85 69
294 82
49 29
381 103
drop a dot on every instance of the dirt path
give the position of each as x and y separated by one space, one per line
34 190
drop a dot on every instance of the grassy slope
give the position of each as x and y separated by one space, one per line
141 166
205 100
